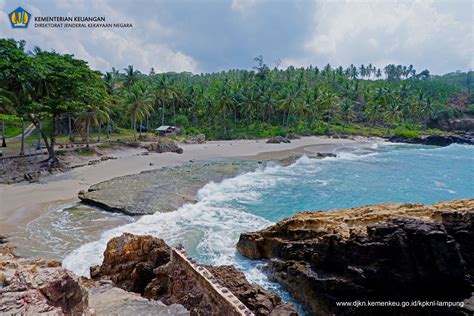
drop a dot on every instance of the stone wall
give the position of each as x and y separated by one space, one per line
221 301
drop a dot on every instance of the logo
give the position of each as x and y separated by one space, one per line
20 18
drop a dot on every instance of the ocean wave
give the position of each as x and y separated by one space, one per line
208 229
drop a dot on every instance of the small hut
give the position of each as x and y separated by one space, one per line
166 130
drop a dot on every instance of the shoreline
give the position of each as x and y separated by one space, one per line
23 202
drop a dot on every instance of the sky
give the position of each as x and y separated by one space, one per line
216 35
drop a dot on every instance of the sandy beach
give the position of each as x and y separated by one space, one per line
22 202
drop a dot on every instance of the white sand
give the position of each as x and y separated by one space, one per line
20 203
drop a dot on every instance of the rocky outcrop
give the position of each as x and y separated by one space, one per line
396 252
197 139
259 300
278 140
129 261
435 140
146 265
160 190
164 146
39 287
114 301
465 124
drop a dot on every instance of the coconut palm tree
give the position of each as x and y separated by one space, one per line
139 102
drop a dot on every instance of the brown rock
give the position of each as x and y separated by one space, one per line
129 261
38 286
382 252
257 299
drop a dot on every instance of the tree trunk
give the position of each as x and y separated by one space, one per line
4 143
108 130
88 124
163 113
134 120
70 128
22 148
42 134
140 135
100 130
174 112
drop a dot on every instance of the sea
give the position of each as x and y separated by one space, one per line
210 229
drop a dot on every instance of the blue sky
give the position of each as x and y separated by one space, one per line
216 35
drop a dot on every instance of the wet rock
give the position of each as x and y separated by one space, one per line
160 190
40 287
434 140
278 140
394 252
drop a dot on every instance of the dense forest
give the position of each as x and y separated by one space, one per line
45 88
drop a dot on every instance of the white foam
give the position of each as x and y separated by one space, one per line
208 229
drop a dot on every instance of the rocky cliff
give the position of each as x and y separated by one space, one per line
146 265
396 252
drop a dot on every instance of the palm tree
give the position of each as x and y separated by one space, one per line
93 116
131 76
139 101
165 93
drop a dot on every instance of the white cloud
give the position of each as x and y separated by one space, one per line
406 32
243 6
106 48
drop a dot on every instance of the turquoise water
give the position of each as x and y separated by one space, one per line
210 228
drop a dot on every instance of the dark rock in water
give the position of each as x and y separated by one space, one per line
325 155
446 140
32 287
160 190
146 265
278 140
386 252
435 140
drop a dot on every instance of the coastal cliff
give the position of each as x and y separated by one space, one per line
146 265
396 252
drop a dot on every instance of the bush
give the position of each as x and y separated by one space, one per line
470 110
406 133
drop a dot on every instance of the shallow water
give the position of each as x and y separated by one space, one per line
55 233
210 228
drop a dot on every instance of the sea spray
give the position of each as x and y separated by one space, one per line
210 228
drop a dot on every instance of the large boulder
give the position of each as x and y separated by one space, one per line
30 287
278 140
129 261
386 252
164 146
197 139
434 140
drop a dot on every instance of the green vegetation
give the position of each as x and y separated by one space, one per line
62 95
